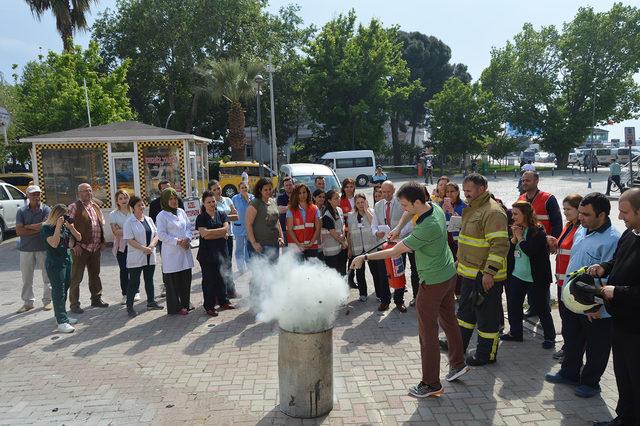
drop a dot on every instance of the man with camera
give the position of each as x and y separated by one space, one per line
88 219
622 300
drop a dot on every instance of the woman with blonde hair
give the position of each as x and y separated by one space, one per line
56 231
117 218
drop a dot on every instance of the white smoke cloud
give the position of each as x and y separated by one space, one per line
301 296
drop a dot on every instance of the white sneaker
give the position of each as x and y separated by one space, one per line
124 300
72 320
66 328
136 298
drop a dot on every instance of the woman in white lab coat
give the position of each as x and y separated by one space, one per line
140 234
174 230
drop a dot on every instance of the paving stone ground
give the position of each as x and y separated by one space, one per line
157 369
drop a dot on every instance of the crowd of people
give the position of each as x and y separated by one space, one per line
462 254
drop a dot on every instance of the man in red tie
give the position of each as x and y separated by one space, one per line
388 213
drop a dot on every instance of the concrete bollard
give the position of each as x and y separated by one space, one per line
589 184
305 370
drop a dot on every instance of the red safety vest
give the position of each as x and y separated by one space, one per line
565 242
539 206
305 230
345 205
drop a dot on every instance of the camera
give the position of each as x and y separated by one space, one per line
68 218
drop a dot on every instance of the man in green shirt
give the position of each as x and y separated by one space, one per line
614 176
435 302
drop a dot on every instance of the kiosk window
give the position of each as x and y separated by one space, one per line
162 163
64 169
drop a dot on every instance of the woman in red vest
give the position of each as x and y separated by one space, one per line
562 248
347 204
303 222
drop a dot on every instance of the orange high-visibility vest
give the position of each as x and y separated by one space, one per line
305 229
539 206
565 242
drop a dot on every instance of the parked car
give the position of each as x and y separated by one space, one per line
11 199
19 180
358 164
230 173
306 173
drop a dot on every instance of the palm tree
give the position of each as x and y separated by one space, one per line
70 15
232 81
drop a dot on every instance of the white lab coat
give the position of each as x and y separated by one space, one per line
171 228
132 229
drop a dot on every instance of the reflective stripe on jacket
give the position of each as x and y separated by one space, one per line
539 206
305 229
565 242
360 235
483 243
330 247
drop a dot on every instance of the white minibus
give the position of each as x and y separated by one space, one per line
359 165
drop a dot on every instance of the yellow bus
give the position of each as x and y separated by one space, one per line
231 175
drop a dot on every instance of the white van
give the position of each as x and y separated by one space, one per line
307 173
359 165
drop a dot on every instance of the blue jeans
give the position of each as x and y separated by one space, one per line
242 256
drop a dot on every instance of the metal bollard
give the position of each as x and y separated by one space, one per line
495 175
553 171
589 184
572 171
515 173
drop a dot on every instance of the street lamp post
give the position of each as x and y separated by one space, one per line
274 147
259 81
169 118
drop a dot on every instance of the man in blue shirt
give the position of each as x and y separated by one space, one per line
594 243
31 247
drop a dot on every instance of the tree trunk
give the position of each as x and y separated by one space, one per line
414 124
67 38
236 132
395 143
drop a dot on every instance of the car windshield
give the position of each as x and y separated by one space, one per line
309 180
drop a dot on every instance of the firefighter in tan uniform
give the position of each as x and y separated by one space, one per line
483 246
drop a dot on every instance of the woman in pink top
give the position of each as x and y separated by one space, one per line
117 218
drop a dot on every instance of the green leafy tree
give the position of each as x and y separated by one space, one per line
14 150
71 15
428 60
167 40
232 81
51 92
560 84
353 76
463 117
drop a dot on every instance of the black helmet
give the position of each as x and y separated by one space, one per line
581 293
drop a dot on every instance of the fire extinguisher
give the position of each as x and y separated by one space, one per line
395 268
420 169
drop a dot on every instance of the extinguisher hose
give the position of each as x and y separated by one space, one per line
374 247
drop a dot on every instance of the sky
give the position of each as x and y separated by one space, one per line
470 27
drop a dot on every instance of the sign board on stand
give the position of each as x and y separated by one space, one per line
629 136
192 209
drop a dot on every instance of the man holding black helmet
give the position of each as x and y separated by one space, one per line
622 300
588 333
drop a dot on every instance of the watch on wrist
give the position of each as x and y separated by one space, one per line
366 257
